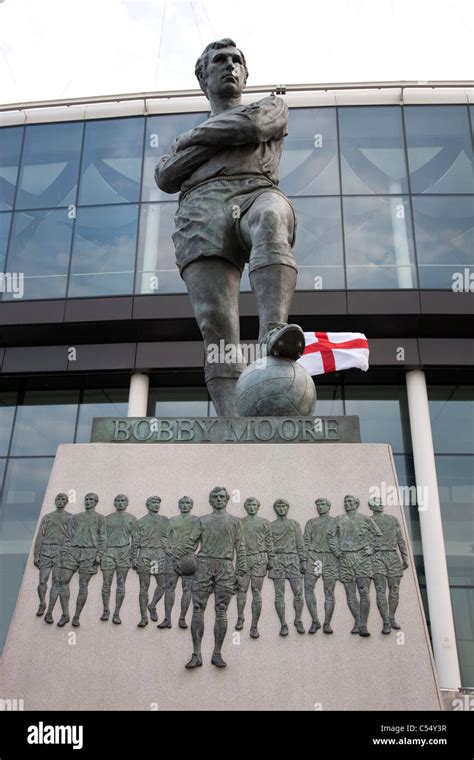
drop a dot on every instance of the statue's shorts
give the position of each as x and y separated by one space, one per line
354 565
151 560
207 223
323 564
213 575
387 562
80 558
116 557
286 566
50 556
257 568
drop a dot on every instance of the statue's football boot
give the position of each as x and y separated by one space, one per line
286 340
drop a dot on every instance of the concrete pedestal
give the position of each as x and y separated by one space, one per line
101 666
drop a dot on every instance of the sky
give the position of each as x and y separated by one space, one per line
56 49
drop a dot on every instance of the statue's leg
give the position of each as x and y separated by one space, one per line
144 578
241 600
267 229
329 603
382 605
297 588
393 596
170 594
279 584
65 575
107 577
213 285
186 595
222 599
363 584
84 579
353 603
122 573
200 599
42 586
53 593
256 584
310 597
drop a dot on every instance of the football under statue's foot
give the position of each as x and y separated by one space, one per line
287 341
194 662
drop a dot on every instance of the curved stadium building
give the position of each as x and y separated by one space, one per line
94 315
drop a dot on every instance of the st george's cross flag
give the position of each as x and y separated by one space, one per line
331 351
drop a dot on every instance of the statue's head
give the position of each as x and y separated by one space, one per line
281 507
121 502
219 497
323 506
185 504
375 504
153 503
90 500
251 505
351 503
61 500
221 69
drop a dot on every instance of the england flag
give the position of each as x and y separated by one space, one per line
331 352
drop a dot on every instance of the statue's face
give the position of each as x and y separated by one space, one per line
375 504
351 503
281 508
120 502
61 500
90 500
225 72
323 506
219 500
185 505
153 504
251 506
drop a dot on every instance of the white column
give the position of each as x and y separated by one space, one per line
138 395
434 553
151 219
400 237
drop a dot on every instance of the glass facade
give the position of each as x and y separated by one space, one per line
384 198
452 422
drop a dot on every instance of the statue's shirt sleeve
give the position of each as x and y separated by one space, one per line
242 140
